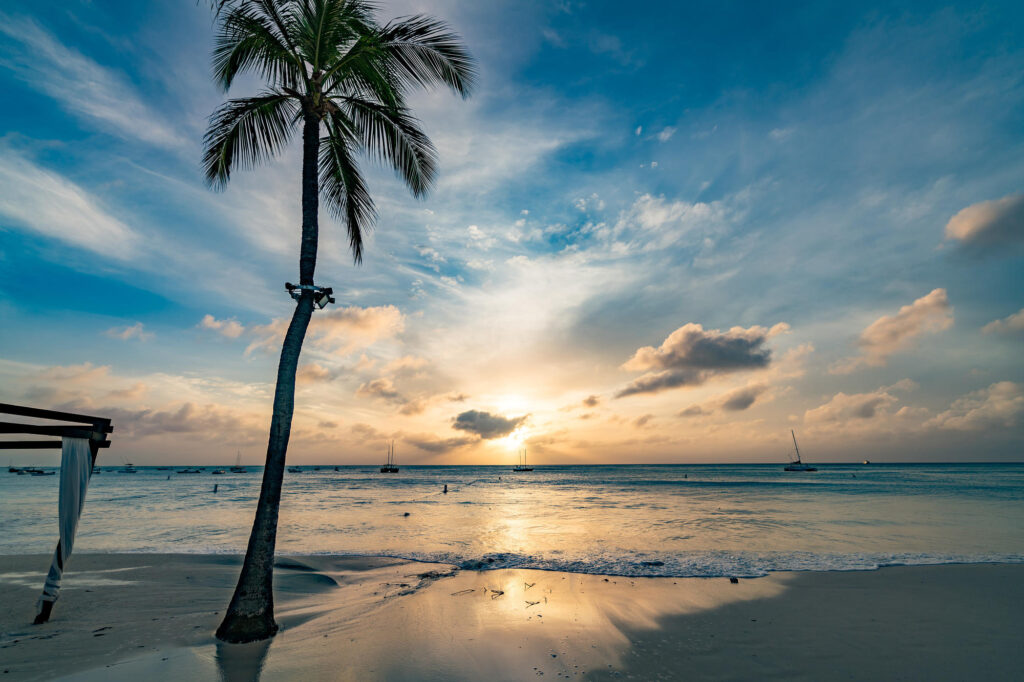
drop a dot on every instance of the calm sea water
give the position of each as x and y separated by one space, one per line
687 520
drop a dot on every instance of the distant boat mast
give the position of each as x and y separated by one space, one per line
798 465
389 466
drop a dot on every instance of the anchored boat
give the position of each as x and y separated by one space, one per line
522 462
238 468
798 465
389 466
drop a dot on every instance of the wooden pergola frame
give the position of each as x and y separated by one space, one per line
82 426
95 429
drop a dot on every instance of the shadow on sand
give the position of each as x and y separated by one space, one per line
241 662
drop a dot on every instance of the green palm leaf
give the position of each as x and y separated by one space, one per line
245 132
341 183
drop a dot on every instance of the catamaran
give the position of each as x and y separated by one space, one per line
522 462
389 466
798 465
238 468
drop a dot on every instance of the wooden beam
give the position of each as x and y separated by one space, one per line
43 444
22 411
62 430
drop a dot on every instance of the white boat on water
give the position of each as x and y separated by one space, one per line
798 464
238 468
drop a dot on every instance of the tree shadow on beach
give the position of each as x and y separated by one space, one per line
241 662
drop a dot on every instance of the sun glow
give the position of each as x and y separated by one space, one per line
514 441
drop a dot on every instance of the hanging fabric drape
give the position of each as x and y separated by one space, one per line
75 469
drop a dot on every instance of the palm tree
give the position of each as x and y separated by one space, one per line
332 70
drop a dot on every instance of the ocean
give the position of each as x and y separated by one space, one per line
632 520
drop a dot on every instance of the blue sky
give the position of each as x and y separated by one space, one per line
831 192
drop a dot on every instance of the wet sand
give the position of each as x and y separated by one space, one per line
133 616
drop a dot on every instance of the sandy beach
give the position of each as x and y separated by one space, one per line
137 616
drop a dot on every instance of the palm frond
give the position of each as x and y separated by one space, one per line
363 72
245 132
247 40
393 135
341 183
426 52
324 29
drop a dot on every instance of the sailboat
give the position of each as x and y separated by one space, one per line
129 468
522 462
798 465
390 467
238 468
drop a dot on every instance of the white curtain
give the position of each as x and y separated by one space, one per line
75 469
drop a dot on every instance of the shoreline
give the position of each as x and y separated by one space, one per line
500 561
131 616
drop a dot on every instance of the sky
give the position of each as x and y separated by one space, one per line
661 232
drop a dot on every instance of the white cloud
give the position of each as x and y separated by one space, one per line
433 255
666 134
84 374
989 223
654 223
998 406
553 37
380 389
340 330
478 152
52 205
407 363
230 328
856 407
480 238
479 264
1008 325
82 86
135 331
891 333
593 203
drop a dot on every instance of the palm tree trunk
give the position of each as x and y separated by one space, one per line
250 616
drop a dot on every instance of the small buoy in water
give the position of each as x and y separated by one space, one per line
445 488
214 487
